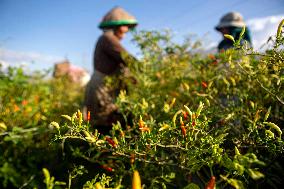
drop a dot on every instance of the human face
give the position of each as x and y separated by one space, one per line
121 31
224 30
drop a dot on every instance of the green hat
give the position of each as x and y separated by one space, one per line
117 17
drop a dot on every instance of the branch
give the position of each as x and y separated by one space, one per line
267 90
277 97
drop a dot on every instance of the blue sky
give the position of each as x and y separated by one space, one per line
45 31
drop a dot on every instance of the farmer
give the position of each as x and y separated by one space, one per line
108 61
232 24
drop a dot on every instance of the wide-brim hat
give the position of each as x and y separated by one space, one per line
117 17
231 19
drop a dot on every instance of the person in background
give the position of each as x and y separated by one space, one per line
232 24
108 61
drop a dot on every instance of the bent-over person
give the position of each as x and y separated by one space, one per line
108 61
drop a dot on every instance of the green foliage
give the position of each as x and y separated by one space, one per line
98 182
50 180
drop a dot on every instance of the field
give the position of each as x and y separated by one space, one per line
192 120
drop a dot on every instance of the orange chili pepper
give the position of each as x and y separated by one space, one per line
16 108
132 158
142 126
211 56
141 123
183 130
89 116
24 102
181 121
193 116
144 129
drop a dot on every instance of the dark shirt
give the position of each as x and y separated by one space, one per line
225 44
108 54
235 32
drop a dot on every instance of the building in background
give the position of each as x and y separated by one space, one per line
74 73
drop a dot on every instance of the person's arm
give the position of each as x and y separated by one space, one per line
114 49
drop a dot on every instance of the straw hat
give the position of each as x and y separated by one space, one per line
231 19
117 17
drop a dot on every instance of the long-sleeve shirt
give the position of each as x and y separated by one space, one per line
108 54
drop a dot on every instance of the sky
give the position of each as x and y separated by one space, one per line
38 33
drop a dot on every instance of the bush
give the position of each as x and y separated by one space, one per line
193 118
27 104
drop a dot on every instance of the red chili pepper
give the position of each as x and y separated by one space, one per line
211 183
215 63
111 142
89 116
105 167
185 114
183 130
204 84
222 121
193 123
